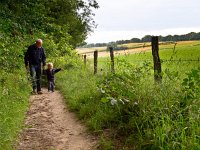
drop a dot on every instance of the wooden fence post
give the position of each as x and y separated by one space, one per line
112 59
85 59
175 46
156 59
95 61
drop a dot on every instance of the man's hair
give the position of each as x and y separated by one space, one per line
39 41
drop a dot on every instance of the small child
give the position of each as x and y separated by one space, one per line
50 72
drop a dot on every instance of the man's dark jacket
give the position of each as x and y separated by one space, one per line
34 56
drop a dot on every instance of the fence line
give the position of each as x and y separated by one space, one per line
95 61
112 60
156 59
162 60
173 47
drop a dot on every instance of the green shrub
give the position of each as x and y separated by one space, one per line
14 93
137 111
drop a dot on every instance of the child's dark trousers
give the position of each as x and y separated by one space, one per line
51 86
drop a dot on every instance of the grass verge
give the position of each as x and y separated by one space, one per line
129 111
13 103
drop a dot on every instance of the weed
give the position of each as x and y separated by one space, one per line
142 114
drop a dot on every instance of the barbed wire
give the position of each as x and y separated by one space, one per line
132 49
149 60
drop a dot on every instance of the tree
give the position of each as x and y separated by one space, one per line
147 38
70 19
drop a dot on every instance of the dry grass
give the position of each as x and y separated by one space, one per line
90 50
104 53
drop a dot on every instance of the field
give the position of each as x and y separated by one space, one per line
129 110
184 57
90 50
138 48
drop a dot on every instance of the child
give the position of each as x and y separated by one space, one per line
50 72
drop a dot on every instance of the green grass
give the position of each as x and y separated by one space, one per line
13 103
179 59
144 115
182 51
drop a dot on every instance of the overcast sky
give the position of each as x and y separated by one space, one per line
125 19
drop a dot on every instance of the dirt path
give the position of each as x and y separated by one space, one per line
50 126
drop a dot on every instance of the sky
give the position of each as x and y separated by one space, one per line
126 19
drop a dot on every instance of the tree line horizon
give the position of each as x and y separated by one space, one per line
147 38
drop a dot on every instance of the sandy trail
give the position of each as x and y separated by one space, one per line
50 126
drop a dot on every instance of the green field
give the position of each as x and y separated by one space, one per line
128 110
185 57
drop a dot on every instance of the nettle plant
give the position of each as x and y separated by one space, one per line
119 88
191 84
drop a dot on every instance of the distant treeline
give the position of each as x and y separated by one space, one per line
147 38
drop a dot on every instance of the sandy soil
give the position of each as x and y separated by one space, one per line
51 126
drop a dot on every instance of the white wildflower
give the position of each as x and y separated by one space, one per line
126 100
135 103
113 101
102 91
121 101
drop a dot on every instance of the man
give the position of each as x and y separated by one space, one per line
33 58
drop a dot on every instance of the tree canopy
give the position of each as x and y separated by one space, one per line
68 19
62 24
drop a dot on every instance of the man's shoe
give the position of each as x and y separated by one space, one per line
39 92
34 92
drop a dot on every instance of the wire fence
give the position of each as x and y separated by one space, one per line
149 60
140 53
131 49
155 59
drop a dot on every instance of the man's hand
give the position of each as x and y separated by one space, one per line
27 68
43 68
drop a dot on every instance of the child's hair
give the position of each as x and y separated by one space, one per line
50 65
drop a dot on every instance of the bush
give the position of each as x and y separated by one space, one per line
14 93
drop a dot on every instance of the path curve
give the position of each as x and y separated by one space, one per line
50 125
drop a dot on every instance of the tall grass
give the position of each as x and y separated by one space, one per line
130 111
145 116
14 93
14 88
